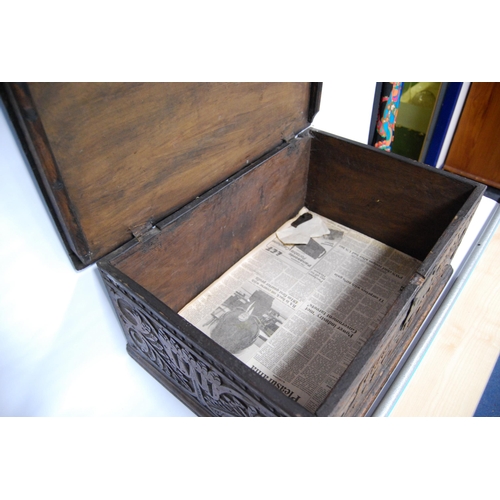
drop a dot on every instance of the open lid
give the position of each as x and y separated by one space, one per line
115 158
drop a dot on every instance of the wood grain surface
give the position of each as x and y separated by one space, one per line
389 198
199 246
454 372
475 150
125 154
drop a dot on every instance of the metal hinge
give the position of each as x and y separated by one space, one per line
144 231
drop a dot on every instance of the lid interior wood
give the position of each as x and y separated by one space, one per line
115 157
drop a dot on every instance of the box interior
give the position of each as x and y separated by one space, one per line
392 200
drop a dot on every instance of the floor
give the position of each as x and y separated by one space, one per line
457 372
489 405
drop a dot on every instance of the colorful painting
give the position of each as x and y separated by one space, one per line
389 103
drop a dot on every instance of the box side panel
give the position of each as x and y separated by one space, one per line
418 210
194 249
400 203
188 363
367 375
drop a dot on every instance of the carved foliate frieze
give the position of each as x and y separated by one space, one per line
194 375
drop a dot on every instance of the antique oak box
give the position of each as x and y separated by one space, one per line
167 185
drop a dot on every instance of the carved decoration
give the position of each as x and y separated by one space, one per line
435 276
195 376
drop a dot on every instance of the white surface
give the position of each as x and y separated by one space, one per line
482 215
62 350
346 109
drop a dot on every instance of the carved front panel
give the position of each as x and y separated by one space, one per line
194 375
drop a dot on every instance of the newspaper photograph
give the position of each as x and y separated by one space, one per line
299 307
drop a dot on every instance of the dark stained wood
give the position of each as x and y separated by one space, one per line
37 148
316 89
196 248
223 224
118 156
355 185
475 149
217 169
364 380
400 203
186 361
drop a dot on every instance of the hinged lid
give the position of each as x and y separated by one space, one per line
116 157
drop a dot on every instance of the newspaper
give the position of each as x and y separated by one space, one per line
299 314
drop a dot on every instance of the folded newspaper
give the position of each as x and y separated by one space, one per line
298 314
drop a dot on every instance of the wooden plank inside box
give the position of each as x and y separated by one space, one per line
209 187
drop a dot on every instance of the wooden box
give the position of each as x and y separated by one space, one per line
166 186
